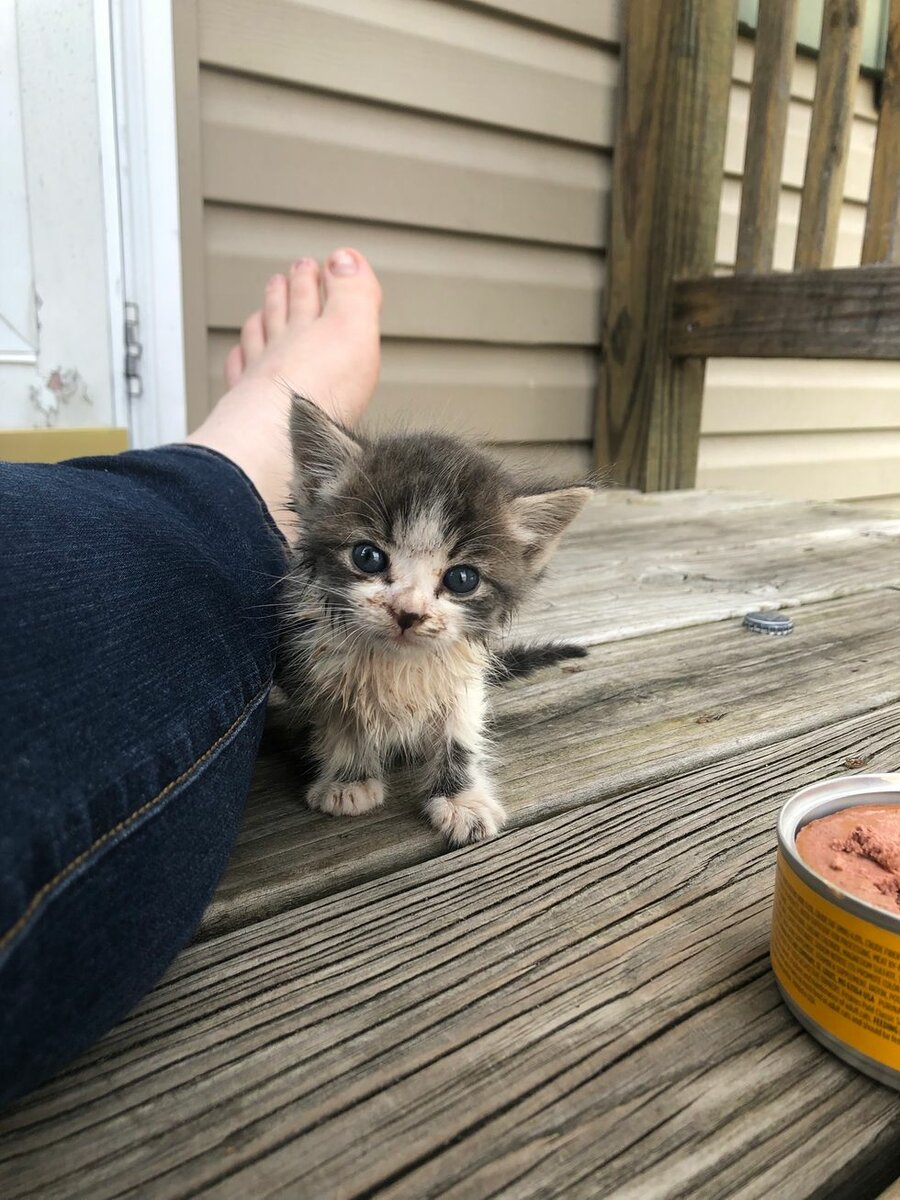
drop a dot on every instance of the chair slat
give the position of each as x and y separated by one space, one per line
832 118
882 240
770 94
849 313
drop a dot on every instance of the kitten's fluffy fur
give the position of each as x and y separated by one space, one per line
390 665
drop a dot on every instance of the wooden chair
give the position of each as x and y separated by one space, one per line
666 310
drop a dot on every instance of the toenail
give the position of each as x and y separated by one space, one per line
302 263
274 281
342 262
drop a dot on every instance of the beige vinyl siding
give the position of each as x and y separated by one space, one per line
465 147
792 427
598 19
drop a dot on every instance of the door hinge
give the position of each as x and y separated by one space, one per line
133 351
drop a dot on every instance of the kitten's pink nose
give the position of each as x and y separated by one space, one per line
406 620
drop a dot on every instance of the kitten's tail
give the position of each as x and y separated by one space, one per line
517 661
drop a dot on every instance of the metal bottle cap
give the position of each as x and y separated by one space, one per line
769 622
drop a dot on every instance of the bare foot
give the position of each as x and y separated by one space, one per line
328 352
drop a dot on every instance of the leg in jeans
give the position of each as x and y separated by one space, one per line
136 643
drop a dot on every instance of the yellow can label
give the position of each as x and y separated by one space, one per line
840 970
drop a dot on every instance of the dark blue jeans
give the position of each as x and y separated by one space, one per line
137 636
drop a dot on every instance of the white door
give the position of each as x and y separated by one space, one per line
61 344
89 222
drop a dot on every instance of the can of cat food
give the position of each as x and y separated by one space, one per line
836 957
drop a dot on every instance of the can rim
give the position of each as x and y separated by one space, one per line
819 800
870 1066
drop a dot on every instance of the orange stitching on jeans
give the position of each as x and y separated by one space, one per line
76 862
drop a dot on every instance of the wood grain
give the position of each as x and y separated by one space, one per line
651 526
770 96
581 1008
645 564
882 238
829 137
632 714
849 313
605 584
667 177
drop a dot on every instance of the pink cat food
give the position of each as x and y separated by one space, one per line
858 850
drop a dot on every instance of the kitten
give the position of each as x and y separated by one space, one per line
413 553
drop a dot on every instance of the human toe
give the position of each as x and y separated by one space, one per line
234 366
305 298
350 282
253 337
275 306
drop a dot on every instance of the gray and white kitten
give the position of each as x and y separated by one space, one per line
413 553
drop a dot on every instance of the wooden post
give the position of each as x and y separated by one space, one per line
829 134
770 97
667 179
882 240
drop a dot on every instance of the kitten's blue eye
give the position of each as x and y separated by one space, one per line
461 580
369 558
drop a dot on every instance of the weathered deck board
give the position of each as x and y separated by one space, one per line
582 1008
627 716
642 563
615 579
670 520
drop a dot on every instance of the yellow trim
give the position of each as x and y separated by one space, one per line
53 445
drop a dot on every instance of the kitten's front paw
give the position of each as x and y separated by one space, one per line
469 817
346 799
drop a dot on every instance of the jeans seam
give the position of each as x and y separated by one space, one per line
44 891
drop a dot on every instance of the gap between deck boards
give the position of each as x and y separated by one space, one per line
579 1007
629 715
634 565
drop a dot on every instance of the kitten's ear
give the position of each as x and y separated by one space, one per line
321 447
540 521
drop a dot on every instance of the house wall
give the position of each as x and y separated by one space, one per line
465 147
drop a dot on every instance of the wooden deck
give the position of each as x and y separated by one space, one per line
581 1008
